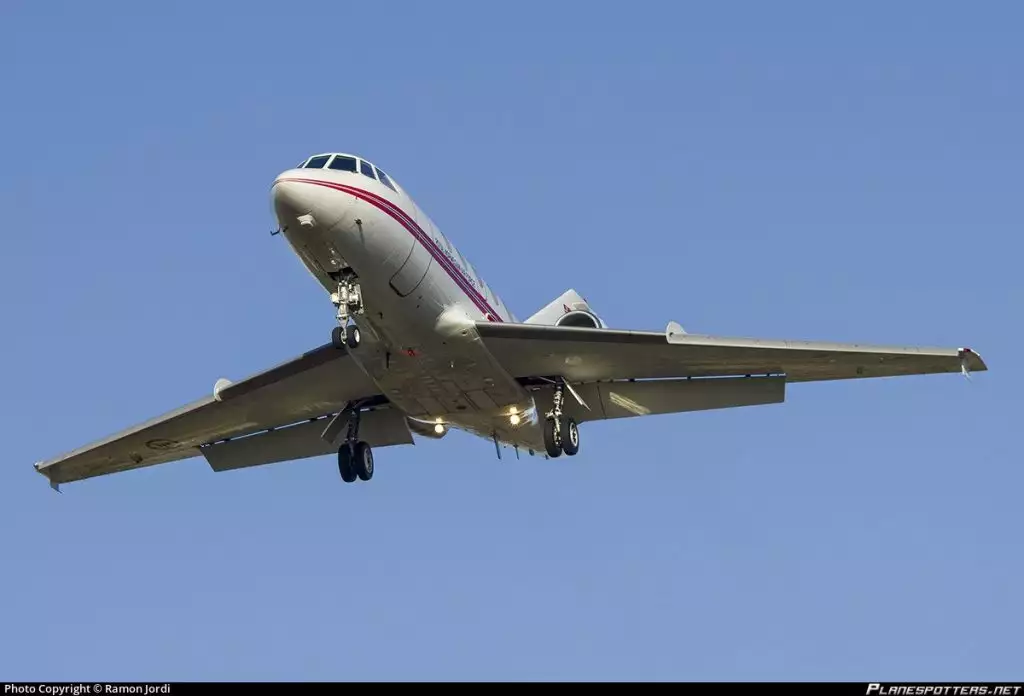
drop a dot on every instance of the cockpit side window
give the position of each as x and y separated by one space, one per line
366 168
386 180
343 163
317 162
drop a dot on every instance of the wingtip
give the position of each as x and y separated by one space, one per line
972 361
53 484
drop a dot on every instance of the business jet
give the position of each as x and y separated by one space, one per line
422 344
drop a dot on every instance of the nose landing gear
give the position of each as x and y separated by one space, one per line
349 301
345 337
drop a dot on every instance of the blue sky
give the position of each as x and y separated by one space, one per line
782 170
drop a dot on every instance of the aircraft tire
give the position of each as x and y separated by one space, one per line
570 436
336 339
353 337
345 468
362 462
552 447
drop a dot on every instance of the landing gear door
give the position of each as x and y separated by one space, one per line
412 272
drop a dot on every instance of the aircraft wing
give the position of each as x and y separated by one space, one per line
581 355
315 385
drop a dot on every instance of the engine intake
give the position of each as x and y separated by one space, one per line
581 318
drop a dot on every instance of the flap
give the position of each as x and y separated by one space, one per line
608 400
380 428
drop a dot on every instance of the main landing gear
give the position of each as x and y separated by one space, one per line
561 433
349 300
355 458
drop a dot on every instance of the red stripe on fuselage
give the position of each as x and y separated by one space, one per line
418 234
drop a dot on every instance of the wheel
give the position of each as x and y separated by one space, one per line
345 468
338 337
352 340
362 463
552 443
570 436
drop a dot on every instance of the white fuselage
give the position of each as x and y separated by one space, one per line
421 299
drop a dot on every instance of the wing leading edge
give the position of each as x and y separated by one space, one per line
314 385
589 355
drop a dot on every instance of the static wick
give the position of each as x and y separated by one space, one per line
963 364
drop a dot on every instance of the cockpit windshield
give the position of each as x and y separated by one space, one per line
317 162
350 163
343 163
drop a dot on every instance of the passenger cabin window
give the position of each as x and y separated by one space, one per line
366 168
317 162
343 164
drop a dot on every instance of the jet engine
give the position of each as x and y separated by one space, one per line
581 318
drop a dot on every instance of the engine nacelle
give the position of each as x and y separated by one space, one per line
581 318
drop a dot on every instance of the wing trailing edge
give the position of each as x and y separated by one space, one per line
584 354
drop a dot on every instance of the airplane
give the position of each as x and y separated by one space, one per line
422 344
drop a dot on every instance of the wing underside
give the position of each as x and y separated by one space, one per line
312 387
589 355
629 399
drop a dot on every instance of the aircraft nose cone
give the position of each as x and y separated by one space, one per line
291 200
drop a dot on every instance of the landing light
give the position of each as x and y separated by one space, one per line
438 428
514 419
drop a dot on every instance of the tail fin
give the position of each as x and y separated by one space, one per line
568 309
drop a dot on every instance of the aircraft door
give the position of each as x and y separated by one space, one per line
412 272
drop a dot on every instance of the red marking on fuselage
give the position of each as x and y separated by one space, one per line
404 219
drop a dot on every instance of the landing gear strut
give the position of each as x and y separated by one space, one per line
355 458
349 300
561 434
